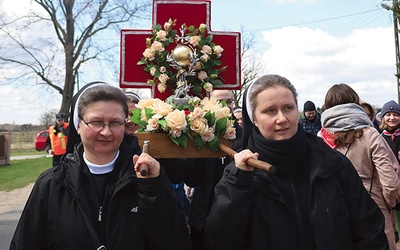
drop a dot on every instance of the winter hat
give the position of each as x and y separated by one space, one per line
309 106
390 106
60 116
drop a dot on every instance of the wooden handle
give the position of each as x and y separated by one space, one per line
144 168
262 165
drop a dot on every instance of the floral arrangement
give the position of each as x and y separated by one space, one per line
202 121
205 67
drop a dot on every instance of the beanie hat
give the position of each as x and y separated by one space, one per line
309 106
390 106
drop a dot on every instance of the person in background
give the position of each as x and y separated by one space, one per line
237 112
370 111
311 121
133 99
390 126
314 200
347 128
56 143
96 197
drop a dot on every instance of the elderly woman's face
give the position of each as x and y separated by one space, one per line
99 142
276 113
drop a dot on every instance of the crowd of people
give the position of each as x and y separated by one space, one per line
336 183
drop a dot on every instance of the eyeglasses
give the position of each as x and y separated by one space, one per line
228 102
99 125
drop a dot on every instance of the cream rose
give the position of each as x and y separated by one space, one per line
209 135
196 113
176 119
152 124
162 35
208 87
152 71
194 40
162 86
230 133
202 27
157 46
149 54
205 58
161 108
199 125
163 78
163 69
167 25
206 50
202 75
175 133
197 66
218 50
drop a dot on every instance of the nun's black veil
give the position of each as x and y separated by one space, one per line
73 137
248 125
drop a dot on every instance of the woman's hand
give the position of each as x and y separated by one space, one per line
242 157
144 158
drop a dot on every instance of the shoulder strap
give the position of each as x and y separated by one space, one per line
92 232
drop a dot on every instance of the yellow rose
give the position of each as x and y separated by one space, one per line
221 112
146 103
176 119
199 125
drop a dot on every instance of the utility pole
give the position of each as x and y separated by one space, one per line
396 13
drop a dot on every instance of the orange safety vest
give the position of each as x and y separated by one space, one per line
59 141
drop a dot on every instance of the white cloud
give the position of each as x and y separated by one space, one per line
314 60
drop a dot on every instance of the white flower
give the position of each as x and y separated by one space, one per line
162 35
206 50
202 75
157 46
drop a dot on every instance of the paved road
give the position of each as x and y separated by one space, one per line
9 220
8 223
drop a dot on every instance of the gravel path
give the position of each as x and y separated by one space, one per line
14 199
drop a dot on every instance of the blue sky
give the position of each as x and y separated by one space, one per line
314 43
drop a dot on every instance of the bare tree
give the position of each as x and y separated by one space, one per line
251 63
49 45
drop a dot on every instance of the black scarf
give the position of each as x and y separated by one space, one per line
286 155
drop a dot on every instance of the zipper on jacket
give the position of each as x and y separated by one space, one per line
100 212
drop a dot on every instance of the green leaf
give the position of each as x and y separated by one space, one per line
198 142
163 123
220 126
141 62
148 113
183 140
136 116
214 144
210 118
215 82
191 28
175 140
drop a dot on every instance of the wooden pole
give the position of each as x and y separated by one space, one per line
144 168
262 165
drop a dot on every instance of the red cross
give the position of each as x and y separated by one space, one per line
191 12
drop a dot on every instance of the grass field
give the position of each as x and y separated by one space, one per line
20 173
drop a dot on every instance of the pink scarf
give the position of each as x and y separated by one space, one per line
392 136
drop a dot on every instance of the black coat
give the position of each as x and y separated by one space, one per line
136 213
250 213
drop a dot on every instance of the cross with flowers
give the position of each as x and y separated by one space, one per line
146 54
